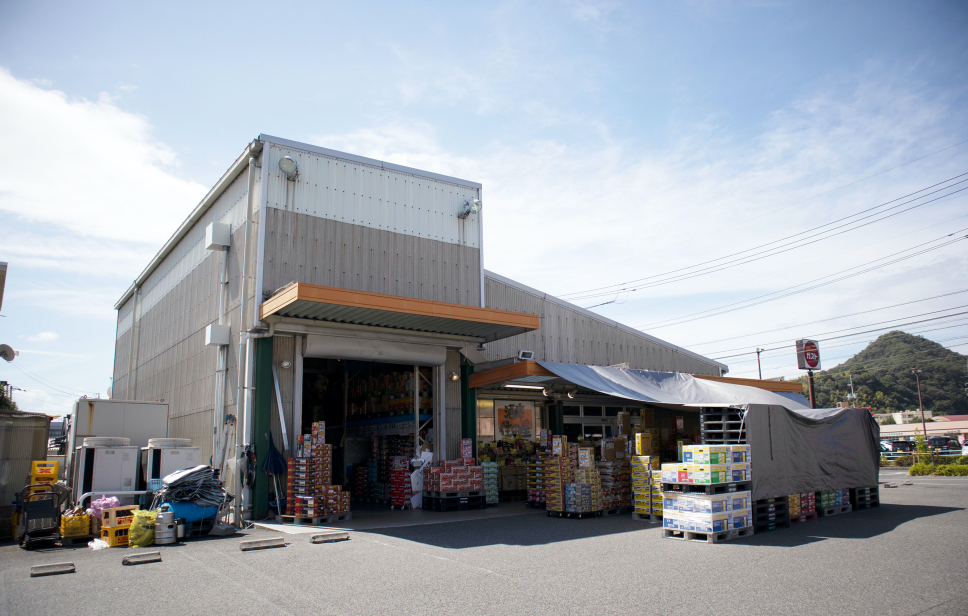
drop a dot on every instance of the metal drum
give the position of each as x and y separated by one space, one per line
165 530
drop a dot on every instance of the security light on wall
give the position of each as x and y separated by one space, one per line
288 166
470 206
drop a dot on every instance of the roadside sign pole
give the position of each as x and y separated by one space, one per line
813 400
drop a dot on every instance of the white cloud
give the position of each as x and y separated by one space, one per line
619 212
43 337
83 166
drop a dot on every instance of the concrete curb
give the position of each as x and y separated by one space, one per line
262 544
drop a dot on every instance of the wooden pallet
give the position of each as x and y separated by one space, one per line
711 489
316 521
804 518
645 517
829 511
452 494
873 502
720 537
572 514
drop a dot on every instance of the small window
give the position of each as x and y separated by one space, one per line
613 411
591 411
574 411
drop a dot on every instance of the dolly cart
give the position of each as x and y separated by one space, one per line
41 516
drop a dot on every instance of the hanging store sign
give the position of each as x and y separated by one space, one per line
808 355
515 418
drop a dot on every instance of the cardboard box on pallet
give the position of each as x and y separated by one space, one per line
739 453
559 445
705 454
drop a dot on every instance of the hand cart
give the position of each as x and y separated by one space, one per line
41 516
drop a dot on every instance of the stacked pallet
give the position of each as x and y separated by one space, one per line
771 514
864 498
722 426
646 487
616 484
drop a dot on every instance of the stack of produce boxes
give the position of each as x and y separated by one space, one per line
616 484
490 482
803 507
827 499
585 494
361 483
457 476
401 490
708 513
536 480
646 485
647 442
310 489
115 523
558 472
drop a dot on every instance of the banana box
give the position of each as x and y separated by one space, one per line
670 473
709 522
739 501
739 472
703 503
740 519
713 473
739 453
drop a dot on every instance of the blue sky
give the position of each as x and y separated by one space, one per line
637 137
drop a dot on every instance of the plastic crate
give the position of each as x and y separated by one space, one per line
75 526
115 535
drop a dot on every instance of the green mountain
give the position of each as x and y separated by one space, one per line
883 380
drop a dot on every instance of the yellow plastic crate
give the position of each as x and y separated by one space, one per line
44 469
75 526
115 535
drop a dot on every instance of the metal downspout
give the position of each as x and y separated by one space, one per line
242 398
133 356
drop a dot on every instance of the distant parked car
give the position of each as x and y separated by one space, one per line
887 446
943 442
964 449
905 446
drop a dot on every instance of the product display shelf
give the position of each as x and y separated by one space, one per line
719 537
708 488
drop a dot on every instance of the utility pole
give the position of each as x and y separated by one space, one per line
813 398
853 396
758 369
917 375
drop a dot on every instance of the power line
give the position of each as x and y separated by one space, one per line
43 400
844 316
837 331
960 323
880 361
609 289
703 314
68 393
786 346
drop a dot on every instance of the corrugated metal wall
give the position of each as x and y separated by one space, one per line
304 248
177 302
576 337
373 197
23 439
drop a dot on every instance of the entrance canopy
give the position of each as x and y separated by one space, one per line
668 387
308 301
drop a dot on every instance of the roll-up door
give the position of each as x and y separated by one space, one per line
370 349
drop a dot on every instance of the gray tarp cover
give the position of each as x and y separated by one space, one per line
666 387
810 449
794 448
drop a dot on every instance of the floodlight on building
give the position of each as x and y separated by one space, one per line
288 166
470 206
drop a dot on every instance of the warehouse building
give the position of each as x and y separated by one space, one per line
314 285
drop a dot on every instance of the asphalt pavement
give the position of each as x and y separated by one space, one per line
906 557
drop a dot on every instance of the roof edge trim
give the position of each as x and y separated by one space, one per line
315 149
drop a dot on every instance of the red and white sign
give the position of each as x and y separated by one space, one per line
808 355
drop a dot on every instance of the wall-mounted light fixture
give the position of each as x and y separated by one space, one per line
470 206
454 376
288 166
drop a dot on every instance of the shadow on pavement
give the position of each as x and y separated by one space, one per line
862 524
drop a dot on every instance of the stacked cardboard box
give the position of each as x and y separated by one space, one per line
584 495
802 506
401 490
490 482
709 464
115 523
309 484
646 490
558 472
454 476
705 513
833 498
616 483
646 442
